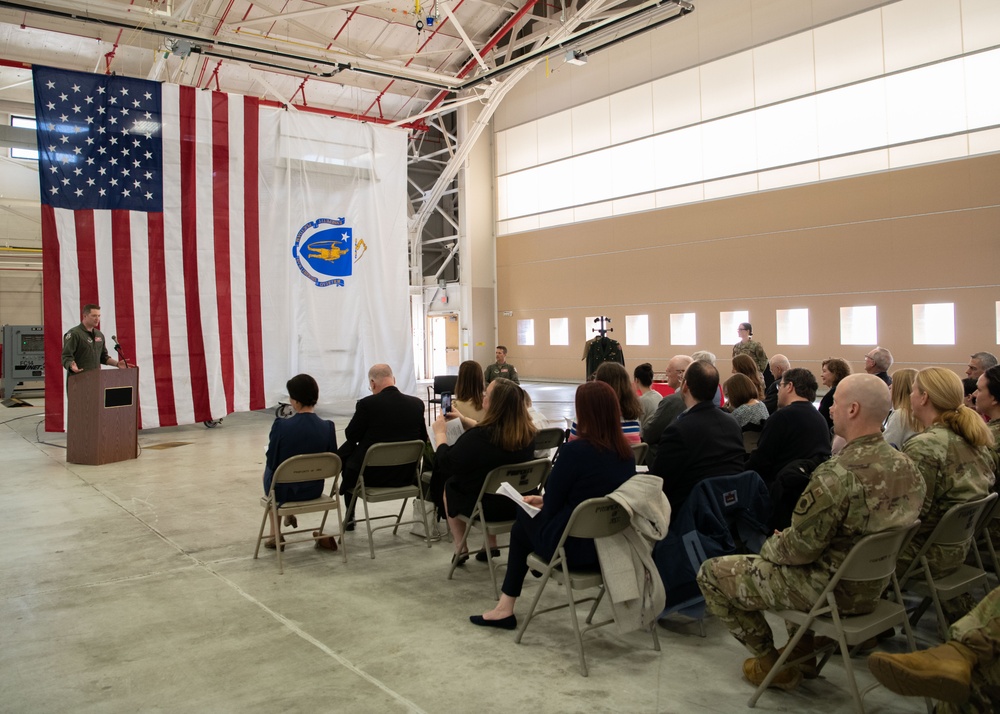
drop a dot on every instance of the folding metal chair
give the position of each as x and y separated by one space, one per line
395 453
305 467
872 558
594 518
956 527
640 450
990 514
442 383
526 476
550 438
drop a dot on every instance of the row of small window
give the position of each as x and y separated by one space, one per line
933 324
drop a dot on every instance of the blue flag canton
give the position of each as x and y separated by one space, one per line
99 141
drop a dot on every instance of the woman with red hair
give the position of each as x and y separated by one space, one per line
595 464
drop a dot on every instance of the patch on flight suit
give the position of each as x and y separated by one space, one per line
66 336
807 501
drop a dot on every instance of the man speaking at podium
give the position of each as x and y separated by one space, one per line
84 346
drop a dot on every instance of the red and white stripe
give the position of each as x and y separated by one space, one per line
181 289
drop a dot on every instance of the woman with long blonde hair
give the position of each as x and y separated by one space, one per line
901 425
953 456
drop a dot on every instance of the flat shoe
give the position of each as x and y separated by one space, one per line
291 522
326 542
269 544
460 558
507 623
481 555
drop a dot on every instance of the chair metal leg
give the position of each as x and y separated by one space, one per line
534 603
845 654
277 541
368 526
464 542
572 616
260 535
399 516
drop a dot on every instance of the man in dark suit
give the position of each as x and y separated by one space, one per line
779 365
387 415
702 442
796 431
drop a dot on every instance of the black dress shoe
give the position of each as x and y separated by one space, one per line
460 558
507 623
481 555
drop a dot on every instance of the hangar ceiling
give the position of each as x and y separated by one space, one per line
407 63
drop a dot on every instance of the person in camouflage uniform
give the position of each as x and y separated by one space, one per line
501 368
963 674
868 487
954 461
988 404
746 346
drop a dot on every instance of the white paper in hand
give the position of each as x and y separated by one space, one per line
510 492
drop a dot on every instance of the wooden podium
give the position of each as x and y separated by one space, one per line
102 421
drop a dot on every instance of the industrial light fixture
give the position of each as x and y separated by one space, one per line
577 57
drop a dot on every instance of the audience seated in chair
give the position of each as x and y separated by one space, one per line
386 415
702 442
595 464
742 397
779 365
795 431
648 397
868 488
901 426
614 374
956 463
302 433
469 390
504 436
668 408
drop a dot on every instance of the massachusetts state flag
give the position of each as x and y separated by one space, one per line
150 209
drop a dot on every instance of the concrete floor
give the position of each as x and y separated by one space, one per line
131 587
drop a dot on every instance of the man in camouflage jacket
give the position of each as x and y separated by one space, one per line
867 488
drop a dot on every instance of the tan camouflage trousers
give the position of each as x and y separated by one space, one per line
738 588
980 632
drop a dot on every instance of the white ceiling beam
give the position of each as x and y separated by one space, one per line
465 37
285 16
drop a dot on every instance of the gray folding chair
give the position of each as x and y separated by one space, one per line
594 518
395 453
956 527
990 514
872 558
306 467
640 450
550 438
525 477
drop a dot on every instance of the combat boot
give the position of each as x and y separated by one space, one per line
943 672
756 669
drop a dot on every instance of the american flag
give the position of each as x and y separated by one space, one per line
150 209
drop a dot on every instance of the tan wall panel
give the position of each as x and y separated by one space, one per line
920 235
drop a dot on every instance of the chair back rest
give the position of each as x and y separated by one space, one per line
597 518
958 525
640 450
874 556
445 383
549 438
394 453
990 511
525 476
307 467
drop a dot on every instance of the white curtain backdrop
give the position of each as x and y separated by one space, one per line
353 175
